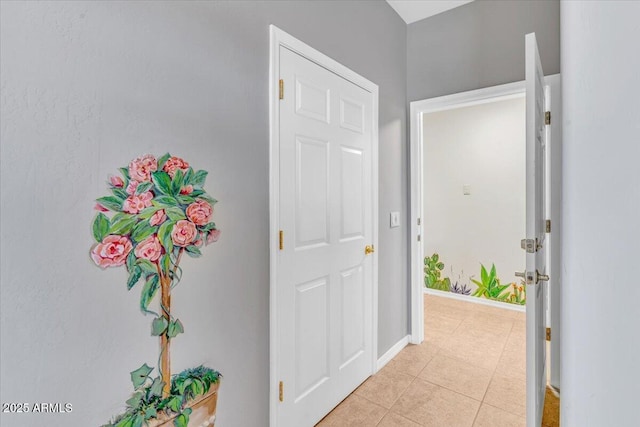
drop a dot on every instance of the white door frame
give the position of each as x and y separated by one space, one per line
465 99
280 38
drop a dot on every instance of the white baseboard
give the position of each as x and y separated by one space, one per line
475 300
392 352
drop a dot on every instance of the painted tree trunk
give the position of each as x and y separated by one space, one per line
165 341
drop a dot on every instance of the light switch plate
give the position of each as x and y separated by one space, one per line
466 189
395 219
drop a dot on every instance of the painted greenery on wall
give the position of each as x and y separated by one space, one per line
488 286
156 212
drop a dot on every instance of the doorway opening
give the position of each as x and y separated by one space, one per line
451 196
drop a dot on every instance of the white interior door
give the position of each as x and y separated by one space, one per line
325 278
535 243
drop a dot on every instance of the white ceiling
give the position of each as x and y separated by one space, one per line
415 10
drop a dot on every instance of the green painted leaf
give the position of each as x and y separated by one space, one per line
175 213
147 266
199 178
162 160
140 375
119 193
166 262
100 227
188 177
158 326
138 421
164 235
208 198
175 403
151 412
177 182
185 200
131 261
111 202
147 213
181 420
156 387
197 388
164 201
143 186
135 400
162 180
134 277
175 328
142 230
125 173
125 422
122 226
208 227
183 386
193 251
148 292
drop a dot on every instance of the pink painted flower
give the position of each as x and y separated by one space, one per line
131 188
100 208
183 233
150 248
199 212
112 252
187 189
158 218
198 243
136 203
116 181
213 236
141 167
173 164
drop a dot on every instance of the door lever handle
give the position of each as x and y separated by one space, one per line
369 249
519 274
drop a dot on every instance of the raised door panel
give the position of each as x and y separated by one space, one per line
352 197
311 336
312 100
312 192
352 293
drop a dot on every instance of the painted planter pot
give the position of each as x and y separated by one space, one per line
204 411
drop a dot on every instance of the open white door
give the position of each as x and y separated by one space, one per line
535 243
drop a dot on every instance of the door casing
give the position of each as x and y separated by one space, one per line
280 38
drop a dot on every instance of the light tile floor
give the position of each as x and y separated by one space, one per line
469 372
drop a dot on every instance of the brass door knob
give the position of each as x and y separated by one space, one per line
369 250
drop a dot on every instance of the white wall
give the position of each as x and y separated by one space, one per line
601 218
482 146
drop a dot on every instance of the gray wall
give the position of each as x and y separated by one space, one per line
478 45
86 86
601 128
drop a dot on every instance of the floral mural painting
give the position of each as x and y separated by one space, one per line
157 211
488 286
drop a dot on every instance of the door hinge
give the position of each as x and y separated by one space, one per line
281 245
547 226
281 89
547 117
548 334
418 237
419 221
281 391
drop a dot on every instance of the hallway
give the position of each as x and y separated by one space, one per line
469 372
